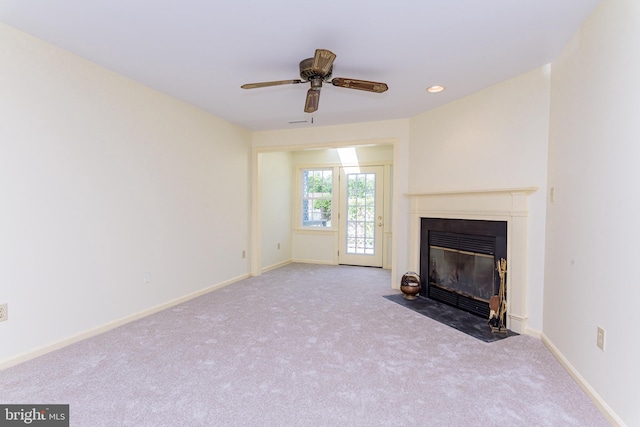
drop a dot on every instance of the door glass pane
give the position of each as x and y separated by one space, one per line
361 208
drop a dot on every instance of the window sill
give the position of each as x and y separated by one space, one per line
315 230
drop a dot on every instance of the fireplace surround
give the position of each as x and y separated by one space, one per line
503 205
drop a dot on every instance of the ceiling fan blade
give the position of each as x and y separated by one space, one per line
323 61
360 84
266 84
313 99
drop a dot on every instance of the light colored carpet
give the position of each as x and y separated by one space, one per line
303 345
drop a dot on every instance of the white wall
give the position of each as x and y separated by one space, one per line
494 139
367 154
104 181
591 276
276 185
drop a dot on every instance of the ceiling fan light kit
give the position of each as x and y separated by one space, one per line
317 70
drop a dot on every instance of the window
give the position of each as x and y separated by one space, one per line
317 189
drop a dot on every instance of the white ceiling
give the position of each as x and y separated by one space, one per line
201 51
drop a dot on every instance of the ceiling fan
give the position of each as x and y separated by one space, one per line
317 70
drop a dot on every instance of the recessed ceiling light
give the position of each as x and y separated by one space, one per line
435 89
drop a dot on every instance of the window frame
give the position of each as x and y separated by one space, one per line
302 197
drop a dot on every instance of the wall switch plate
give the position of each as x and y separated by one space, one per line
600 340
278 246
146 277
4 314
552 195
244 254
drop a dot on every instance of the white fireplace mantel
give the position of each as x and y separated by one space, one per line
510 205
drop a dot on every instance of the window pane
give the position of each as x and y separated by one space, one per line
317 188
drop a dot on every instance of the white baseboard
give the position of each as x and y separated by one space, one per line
7 363
605 409
313 261
517 323
274 266
533 333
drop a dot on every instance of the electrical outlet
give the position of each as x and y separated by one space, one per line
4 314
600 340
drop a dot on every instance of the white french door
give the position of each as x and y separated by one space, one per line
361 216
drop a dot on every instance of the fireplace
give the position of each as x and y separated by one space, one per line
508 205
458 261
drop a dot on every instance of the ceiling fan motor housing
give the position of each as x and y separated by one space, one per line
307 73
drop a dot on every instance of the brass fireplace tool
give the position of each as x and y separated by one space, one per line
498 303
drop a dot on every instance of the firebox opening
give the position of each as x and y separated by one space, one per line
458 259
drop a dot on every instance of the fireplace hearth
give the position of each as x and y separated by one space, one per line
458 259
